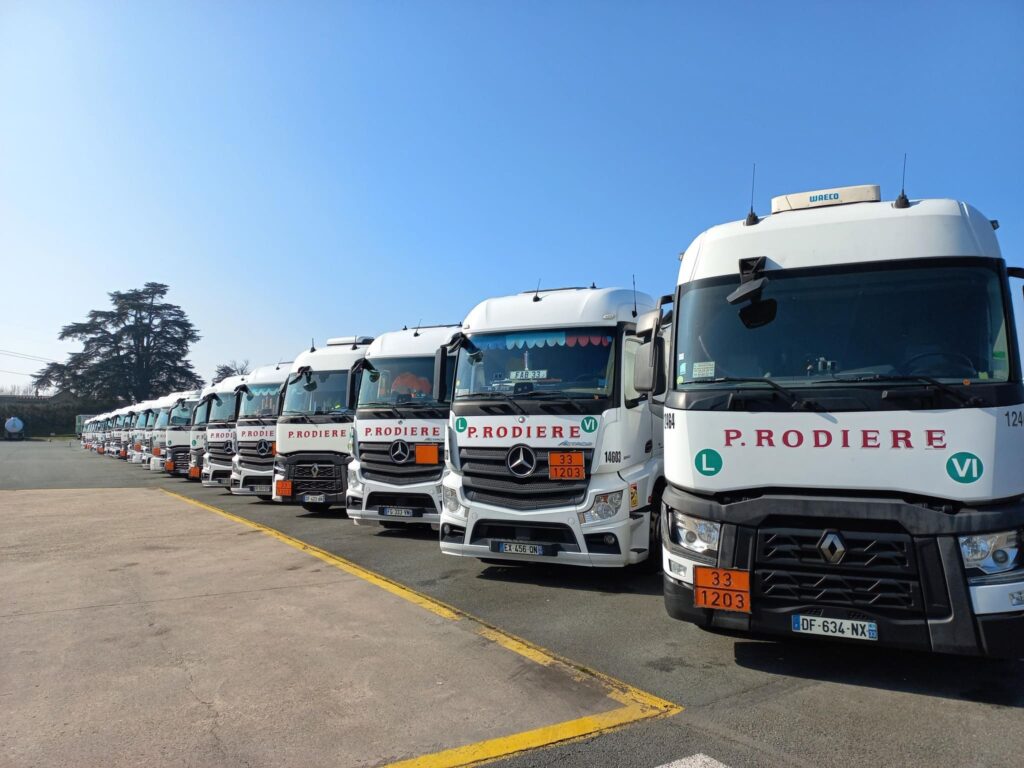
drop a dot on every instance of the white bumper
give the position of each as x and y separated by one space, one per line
364 514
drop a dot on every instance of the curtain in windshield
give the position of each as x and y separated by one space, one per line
260 401
577 362
398 380
912 319
317 392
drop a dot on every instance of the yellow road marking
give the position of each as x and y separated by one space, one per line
635 704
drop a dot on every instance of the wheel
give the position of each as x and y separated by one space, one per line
319 507
653 562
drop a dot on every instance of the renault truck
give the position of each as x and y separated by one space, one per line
844 426
552 457
211 403
252 468
219 455
395 478
314 429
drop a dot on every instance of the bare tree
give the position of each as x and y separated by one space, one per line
230 368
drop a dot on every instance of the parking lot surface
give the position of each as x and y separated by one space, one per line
747 701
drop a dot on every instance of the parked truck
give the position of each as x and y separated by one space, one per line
211 403
14 428
252 468
314 429
844 426
177 433
220 435
551 454
395 479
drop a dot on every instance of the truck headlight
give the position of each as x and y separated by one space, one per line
992 552
605 506
353 480
696 535
451 502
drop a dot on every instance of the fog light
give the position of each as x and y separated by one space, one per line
677 568
446 530
609 539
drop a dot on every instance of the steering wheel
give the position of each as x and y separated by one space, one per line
968 364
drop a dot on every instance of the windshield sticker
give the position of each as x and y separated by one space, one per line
527 375
704 370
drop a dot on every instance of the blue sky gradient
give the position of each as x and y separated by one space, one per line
300 169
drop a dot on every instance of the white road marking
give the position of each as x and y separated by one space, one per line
700 760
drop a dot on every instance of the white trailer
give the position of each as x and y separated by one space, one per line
551 454
844 427
395 478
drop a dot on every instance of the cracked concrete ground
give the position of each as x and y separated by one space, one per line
136 629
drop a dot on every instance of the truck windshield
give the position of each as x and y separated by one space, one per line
316 392
222 407
398 380
181 415
941 319
260 401
201 414
576 363
163 418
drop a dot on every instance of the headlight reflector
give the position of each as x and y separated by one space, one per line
353 480
696 535
450 497
992 552
605 506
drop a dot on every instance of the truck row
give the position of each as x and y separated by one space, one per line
820 432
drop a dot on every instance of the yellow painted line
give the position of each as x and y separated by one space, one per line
635 704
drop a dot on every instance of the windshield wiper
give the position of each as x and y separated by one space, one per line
884 378
540 394
492 396
300 414
799 403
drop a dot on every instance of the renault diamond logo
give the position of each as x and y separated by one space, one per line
399 452
521 461
315 470
263 447
832 547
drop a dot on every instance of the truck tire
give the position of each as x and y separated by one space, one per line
653 562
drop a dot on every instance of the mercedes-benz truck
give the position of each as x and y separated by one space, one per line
177 434
844 427
314 429
552 455
220 436
143 415
210 398
252 468
395 479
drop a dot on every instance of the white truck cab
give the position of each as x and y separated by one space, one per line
112 444
252 468
209 399
143 416
314 429
178 432
156 432
220 436
395 479
124 435
844 427
551 455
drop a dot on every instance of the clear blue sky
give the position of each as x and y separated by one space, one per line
298 169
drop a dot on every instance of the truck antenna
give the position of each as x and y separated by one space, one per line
752 218
902 201
312 344
634 295
536 293
417 331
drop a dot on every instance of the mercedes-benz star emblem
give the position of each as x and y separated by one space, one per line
832 547
399 452
263 447
521 460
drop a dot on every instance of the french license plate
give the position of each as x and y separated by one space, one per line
518 548
566 465
315 498
852 630
398 511
721 589
261 489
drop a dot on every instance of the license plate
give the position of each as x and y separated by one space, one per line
851 630
518 548
566 465
314 498
261 489
721 589
398 512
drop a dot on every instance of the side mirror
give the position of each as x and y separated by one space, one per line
649 370
352 383
440 374
647 324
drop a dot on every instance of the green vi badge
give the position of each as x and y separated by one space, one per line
708 462
589 424
460 424
964 467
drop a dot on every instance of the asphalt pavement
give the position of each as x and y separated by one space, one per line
746 701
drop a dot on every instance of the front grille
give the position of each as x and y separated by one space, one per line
329 478
250 459
839 589
180 458
487 479
877 572
219 454
376 464
538 533
304 471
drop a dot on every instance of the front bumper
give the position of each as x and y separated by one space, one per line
215 475
424 499
941 611
480 533
248 482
